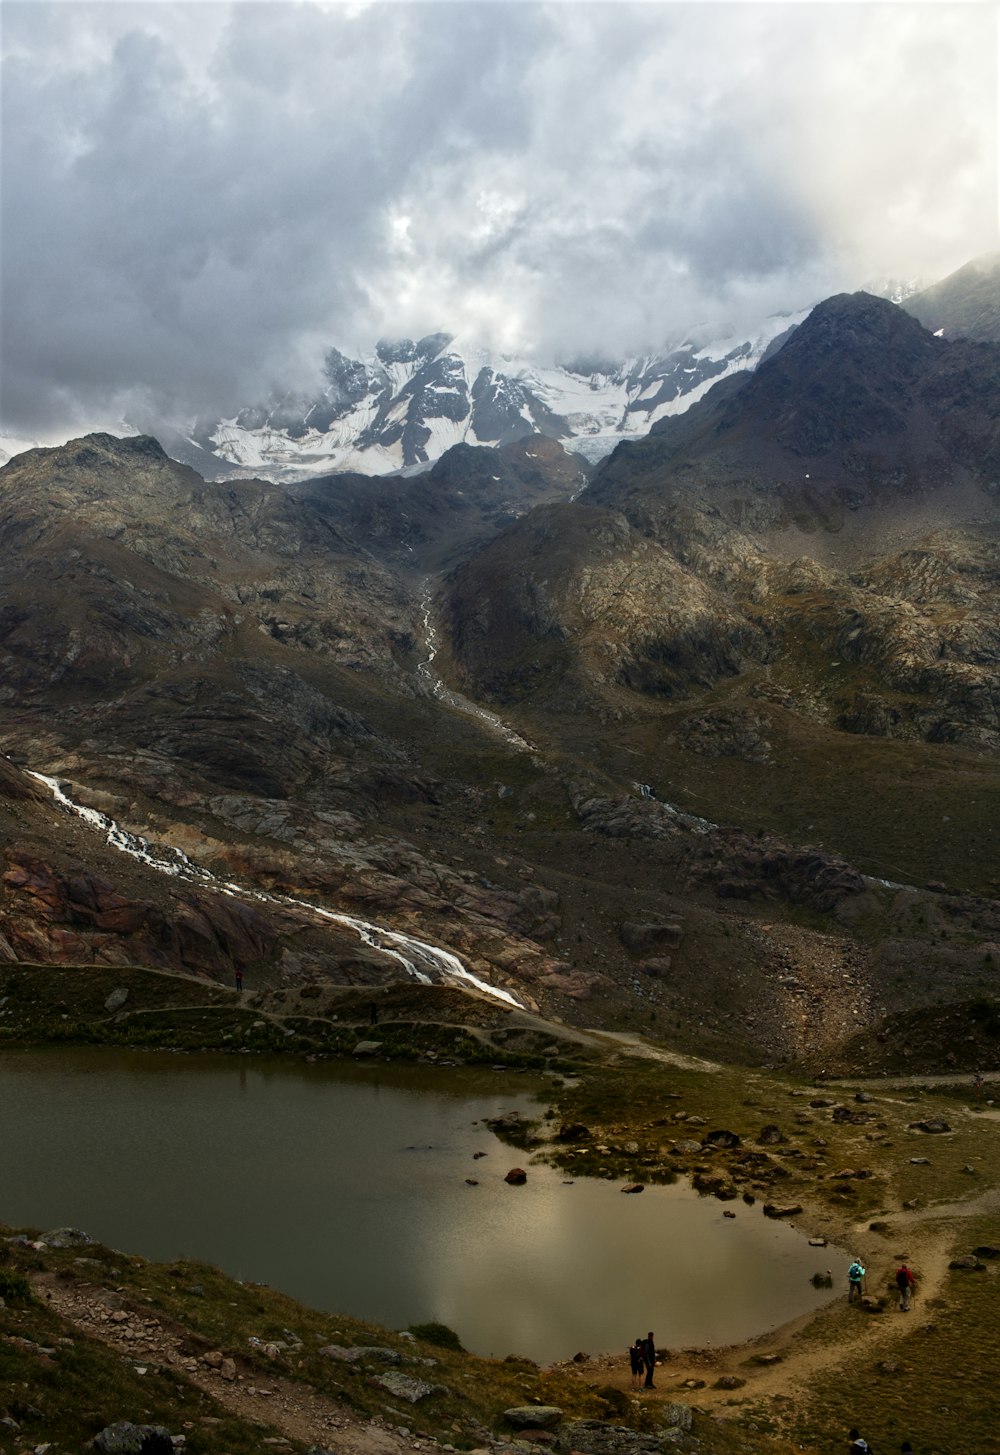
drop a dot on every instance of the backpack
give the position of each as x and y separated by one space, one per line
901 1278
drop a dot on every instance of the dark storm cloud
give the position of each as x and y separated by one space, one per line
175 223
198 198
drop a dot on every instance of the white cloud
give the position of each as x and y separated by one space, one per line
198 198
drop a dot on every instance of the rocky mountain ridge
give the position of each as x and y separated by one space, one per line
409 401
748 532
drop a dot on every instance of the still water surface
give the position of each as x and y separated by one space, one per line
346 1187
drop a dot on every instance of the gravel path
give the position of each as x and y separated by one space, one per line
286 1409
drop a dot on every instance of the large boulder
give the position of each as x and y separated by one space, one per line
677 1416
404 1386
66 1238
721 1138
643 938
124 1438
597 1437
658 968
533 1416
360 1354
573 1132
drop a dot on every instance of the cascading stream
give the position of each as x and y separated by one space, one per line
425 670
425 963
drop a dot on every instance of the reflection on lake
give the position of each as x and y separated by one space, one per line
346 1187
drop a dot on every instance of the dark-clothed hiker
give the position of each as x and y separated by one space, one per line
637 1361
649 1359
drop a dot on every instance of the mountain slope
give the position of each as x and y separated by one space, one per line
804 566
866 445
732 745
964 305
428 521
110 544
861 407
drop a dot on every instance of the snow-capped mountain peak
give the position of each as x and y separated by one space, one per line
411 400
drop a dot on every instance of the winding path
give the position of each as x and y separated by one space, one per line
282 1406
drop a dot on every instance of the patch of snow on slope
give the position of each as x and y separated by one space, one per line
444 433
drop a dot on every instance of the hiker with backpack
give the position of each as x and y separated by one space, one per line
905 1283
637 1360
858 1445
855 1279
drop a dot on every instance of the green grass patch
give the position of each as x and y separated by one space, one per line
440 1335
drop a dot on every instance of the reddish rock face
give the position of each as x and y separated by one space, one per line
17 786
76 917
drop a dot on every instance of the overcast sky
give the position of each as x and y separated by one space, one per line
198 198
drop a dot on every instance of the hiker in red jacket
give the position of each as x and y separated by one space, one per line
905 1283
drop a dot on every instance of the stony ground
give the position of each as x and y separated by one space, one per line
290 1409
819 994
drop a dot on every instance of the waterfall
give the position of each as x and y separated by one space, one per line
425 963
444 693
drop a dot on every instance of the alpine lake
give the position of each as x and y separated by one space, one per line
378 1191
